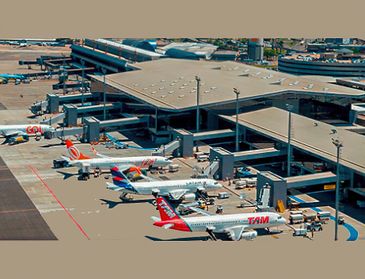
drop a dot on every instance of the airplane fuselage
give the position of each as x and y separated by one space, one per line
29 129
219 223
143 162
168 186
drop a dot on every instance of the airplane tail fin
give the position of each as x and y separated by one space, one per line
119 179
74 152
167 212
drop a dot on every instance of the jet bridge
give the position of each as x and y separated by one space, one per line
306 180
257 154
122 121
54 119
212 169
215 134
93 125
279 185
228 159
187 138
64 132
54 101
39 108
72 111
169 148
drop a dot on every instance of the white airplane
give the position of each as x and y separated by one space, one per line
236 226
77 158
20 133
173 189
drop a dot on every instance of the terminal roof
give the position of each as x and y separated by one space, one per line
170 84
309 135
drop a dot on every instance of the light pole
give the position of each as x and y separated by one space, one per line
289 107
338 146
104 93
197 103
237 92
83 80
197 107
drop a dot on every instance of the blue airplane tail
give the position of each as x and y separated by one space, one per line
120 180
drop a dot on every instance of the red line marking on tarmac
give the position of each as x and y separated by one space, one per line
35 172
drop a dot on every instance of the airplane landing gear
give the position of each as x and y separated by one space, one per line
123 197
211 234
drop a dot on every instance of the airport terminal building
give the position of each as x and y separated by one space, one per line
161 97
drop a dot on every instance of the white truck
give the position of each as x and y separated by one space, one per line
323 216
223 195
296 218
174 168
202 157
240 184
251 182
300 232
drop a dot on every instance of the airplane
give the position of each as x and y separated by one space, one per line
84 162
235 226
121 145
19 133
12 76
173 189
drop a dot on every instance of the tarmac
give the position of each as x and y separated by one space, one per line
19 218
86 210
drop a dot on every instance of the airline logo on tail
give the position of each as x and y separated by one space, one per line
169 218
166 212
73 152
120 180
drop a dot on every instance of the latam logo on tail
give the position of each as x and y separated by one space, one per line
258 220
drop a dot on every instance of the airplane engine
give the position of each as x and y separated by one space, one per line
249 235
38 136
189 197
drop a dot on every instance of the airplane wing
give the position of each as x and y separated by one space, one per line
12 133
124 167
177 194
98 154
148 178
200 211
201 189
235 233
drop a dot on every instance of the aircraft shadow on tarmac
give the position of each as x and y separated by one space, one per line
67 175
112 204
195 238
52 145
220 236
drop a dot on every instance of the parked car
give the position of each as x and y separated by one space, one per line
223 195
244 172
